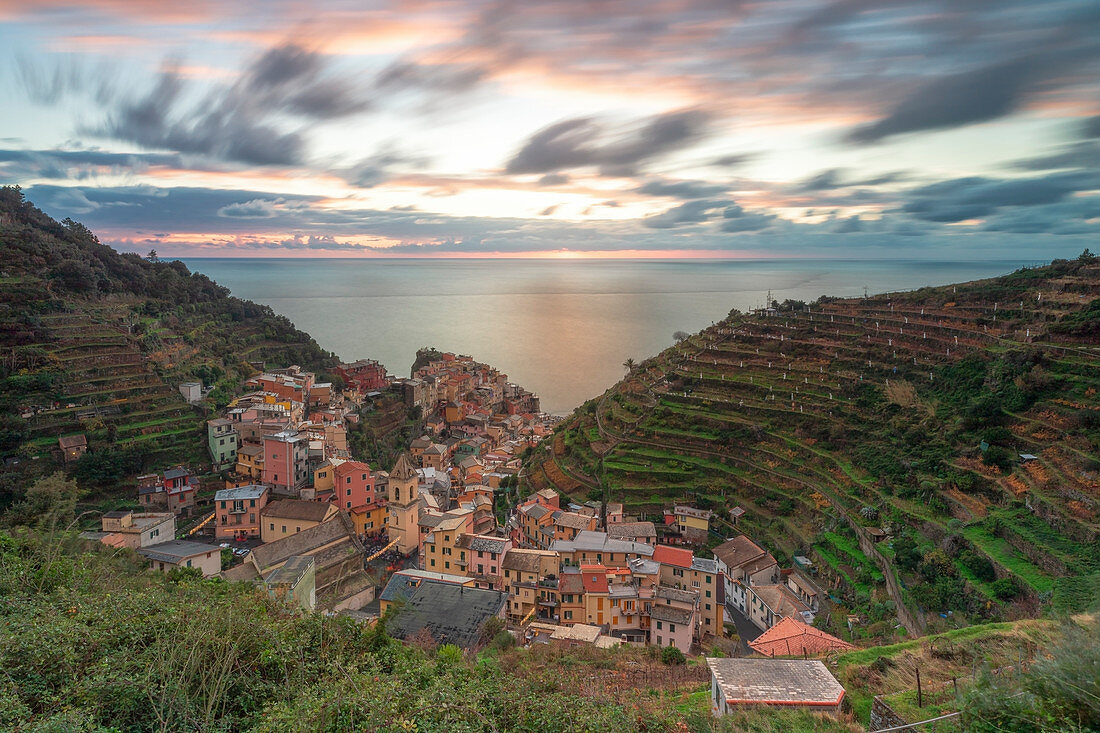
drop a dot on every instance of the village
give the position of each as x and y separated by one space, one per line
445 544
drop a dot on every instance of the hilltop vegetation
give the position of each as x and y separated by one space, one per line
906 412
95 341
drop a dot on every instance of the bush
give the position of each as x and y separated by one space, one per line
672 656
1006 589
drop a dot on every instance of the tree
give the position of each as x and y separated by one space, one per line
152 256
629 365
681 336
672 656
49 503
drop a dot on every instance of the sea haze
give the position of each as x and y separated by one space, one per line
559 327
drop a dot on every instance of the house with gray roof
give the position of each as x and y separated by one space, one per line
799 683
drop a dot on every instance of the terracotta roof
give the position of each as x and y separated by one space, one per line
594 578
775 682
793 638
676 556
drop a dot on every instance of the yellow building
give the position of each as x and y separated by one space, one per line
522 571
285 517
441 553
369 519
325 475
250 461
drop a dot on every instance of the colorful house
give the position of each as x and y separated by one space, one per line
285 517
165 556
238 511
285 456
353 484
222 440
789 683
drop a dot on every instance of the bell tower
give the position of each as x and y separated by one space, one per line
404 506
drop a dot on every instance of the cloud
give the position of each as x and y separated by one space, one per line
741 221
689 212
553 179
1091 127
244 122
681 189
960 199
1084 154
254 209
583 142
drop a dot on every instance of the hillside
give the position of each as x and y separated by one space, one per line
904 412
97 342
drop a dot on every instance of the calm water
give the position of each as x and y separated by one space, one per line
561 328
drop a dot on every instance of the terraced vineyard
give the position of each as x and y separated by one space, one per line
95 342
905 412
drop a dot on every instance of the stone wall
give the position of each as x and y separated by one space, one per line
883 716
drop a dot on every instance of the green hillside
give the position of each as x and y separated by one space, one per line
97 342
905 411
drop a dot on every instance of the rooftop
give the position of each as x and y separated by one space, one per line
631 529
675 556
306 511
793 638
254 491
672 614
571 520
175 551
452 614
775 681
592 541
737 551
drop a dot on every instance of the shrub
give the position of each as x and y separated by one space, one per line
672 656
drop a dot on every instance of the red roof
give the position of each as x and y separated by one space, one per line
677 556
793 638
594 578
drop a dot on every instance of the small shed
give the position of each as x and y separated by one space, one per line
73 446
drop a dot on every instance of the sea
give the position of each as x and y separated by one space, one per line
560 327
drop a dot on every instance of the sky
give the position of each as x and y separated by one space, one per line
941 129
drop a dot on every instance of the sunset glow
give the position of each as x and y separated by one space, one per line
560 129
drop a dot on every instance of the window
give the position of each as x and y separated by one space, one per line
672 627
349 505
284 529
568 615
364 477
252 517
659 627
347 480
252 502
188 563
272 526
433 562
447 565
658 641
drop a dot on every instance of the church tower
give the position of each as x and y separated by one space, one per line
404 506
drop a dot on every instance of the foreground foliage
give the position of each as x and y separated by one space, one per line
90 642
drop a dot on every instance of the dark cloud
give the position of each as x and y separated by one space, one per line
971 198
1091 127
746 222
681 189
553 179
254 209
732 161
970 96
834 178
244 122
584 142
689 212
381 167
848 225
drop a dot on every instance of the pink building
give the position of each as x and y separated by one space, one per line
238 511
285 455
353 485
483 555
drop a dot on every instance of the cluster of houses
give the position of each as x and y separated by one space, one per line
465 386
556 573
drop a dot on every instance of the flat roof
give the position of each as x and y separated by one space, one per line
775 682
